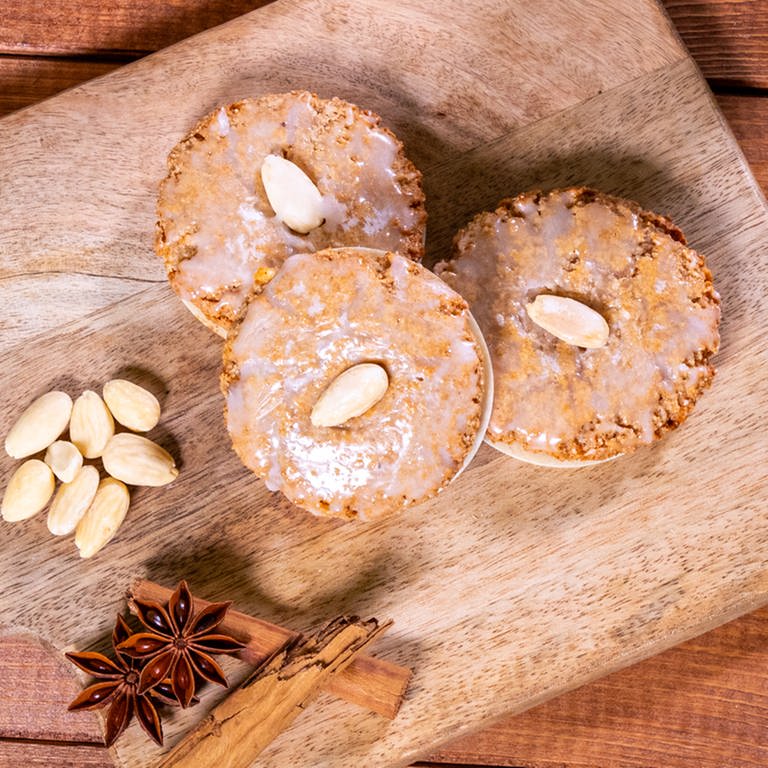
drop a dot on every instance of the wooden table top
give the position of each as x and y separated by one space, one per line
701 704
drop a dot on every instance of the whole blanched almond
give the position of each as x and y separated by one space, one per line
102 519
64 459
138 461
29 490
91 426
292 194
72 500
569 320
350 394
131 405
43 421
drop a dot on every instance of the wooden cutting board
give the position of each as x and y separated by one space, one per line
517 583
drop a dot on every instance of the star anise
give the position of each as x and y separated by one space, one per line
179 644
119 690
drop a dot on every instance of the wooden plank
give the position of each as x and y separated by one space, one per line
121 28
748 118
26 80
713 690
25 754
728 38
703 704
36 685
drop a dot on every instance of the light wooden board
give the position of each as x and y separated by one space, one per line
517 583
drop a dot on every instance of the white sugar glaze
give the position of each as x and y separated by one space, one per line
216 227
319 316
644 282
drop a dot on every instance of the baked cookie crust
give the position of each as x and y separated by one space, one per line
565 402
322 314
215 227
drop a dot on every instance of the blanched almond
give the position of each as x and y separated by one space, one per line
29 490
39 425
138 461
131 405
92 425
350 394
569 320
294 198
72 500
64 459
102 519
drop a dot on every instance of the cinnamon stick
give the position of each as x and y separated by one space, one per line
242 725
368 682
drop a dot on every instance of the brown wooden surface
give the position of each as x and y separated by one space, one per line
702 704
123 28
692 689
728 38
40 754
36 684
748 117
26 81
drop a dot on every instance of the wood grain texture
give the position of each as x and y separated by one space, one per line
23 754
122 28
674 576
25 81
700 704
748 118
727 38
36 685
704 704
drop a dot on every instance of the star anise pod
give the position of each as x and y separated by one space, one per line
180 644
119 690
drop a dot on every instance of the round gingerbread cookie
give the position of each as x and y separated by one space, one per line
217 231
323 315
558 403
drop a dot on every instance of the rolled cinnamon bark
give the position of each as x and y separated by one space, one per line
368 682
267 702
